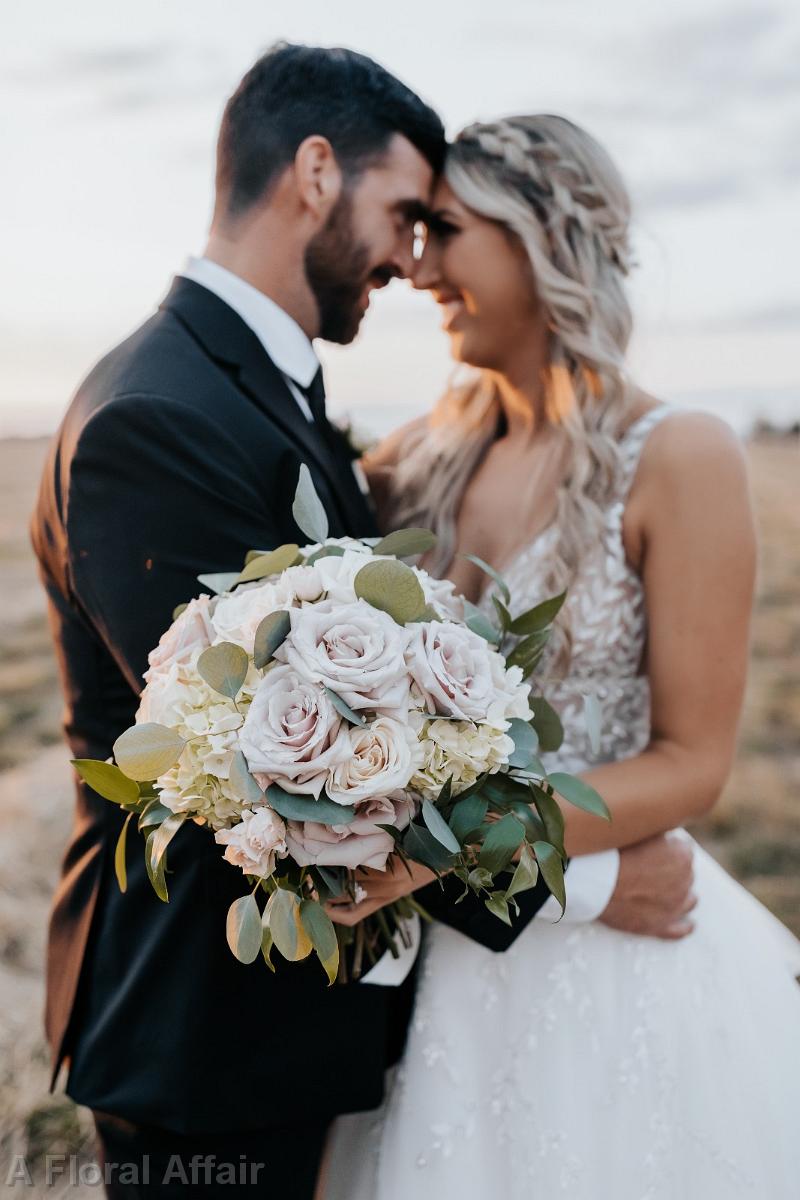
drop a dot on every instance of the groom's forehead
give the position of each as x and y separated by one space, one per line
405 175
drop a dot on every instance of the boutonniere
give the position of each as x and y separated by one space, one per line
356 441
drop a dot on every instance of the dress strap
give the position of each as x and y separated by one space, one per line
632 445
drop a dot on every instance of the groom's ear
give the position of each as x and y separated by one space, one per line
318 176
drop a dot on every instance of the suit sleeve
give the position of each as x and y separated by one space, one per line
471 916
158 494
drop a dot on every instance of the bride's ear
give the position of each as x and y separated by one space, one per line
318 176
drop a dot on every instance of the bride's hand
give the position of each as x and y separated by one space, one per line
382 888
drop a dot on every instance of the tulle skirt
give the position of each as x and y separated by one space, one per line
595 1065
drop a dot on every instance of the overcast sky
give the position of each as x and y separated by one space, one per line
110 112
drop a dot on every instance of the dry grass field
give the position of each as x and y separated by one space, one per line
755 831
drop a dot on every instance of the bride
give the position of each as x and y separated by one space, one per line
586 1062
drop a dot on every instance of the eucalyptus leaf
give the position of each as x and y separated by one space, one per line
242 782
479 878
251 554
501 843
539 617
107 780
552 817
552 870
154 814
526 743
176 612
307 508
468 815
406 543
490 571
243 929
503 614
220 582
479 623
593 716
120 867
325 552
319 928
161 837
579 793
333 878
272 632
224 668
145 752
439 827
273 562
498 905
344 709
547 724
420 844
157 874
306 808
266 946
525 876
526 654
289 936
391 586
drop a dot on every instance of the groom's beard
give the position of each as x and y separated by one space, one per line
337 270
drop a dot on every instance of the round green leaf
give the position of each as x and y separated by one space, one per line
107 780
243 929
526 743
271 633
393 587
145 752
271 563
224 668
406 543
176 612
283 919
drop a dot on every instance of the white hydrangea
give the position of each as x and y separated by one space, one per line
459 750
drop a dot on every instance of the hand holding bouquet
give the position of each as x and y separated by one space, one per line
330 708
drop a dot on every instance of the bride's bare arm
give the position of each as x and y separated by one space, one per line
690 530
379 463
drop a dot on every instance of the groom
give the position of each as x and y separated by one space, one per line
179 453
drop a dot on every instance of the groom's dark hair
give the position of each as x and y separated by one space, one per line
293 92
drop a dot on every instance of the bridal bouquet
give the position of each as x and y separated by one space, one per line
332 708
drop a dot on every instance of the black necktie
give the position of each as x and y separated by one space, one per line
315 395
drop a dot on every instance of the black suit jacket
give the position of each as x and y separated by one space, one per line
179 453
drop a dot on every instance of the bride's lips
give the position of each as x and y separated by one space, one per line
451 311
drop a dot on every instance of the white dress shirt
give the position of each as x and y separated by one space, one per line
591 878
279 334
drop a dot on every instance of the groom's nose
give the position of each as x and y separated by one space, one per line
425 273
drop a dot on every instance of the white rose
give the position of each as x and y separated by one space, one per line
292 734
337 572
188 635
453 669
305 583
254 842
353 649
441 593
237 616
359 844
383 756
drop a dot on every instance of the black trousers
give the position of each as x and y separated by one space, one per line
141 1161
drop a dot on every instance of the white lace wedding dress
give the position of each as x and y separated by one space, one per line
584 1062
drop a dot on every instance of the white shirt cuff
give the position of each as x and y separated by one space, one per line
590 881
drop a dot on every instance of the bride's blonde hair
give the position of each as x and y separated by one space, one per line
556 188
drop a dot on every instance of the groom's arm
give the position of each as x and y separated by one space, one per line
158 493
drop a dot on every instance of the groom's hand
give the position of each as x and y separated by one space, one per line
381 887
654 893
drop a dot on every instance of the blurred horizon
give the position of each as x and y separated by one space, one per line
110 179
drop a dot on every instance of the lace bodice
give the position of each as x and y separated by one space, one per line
607 614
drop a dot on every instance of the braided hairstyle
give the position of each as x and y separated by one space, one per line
552 185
